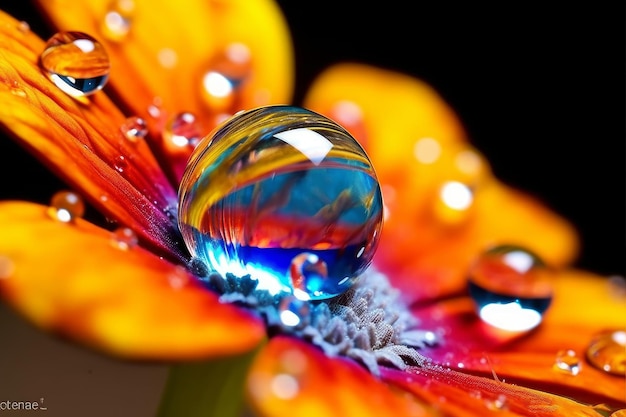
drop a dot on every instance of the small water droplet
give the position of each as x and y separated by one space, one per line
309 277
183 132
511 288
497 404
134 128
117 20
293 312
178 278
617 286
155 110
17 90
7 267
607 351
567 362
228 70
284 181
168 58
65 206
76 63
285 386
124 238
23 26
427 150
120 163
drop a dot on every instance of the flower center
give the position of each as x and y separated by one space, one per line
368 323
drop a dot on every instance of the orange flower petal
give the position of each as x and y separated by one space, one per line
71 279
83 142
171 46
419 149
583 306
293 378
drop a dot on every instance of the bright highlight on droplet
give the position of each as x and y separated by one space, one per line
216 84
285 195
312 145
510 316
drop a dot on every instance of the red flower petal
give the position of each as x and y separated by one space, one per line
582 307
71 279
83 143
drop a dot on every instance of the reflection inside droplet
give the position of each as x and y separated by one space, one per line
276 182
76 63
511 288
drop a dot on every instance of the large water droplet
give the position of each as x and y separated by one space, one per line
276 182
76 63
607 351
511 287
567 362
65 206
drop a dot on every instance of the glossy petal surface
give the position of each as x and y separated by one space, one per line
583 306
293 378
424 240
83 143
73 280
175 44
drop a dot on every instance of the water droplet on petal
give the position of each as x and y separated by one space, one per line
511 288
168 58
23 26
120 163
183 132
117 20
497 404
16 89
607 351
65 206
285 386
134 128
273 183
76 63
427 150
7 267
227 72
124 238
293 312
178 278
567 362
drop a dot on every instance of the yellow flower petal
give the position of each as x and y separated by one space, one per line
443 205
72 279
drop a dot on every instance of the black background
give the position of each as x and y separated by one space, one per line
539 88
